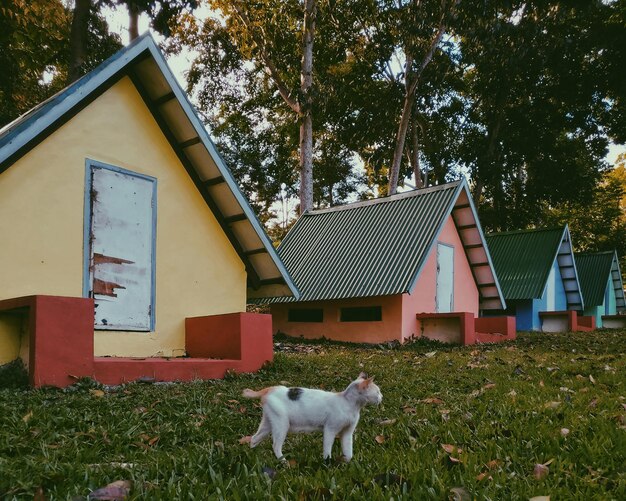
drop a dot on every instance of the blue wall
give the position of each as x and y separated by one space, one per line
527 311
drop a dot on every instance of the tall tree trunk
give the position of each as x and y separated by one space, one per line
415 152
306 108
133 21
394 169
78 39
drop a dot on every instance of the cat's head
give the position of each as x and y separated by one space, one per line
369 392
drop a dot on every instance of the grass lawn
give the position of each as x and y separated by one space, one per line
455 423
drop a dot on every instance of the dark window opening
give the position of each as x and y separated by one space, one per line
305 315
362 314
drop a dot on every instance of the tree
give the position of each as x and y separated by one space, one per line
35 52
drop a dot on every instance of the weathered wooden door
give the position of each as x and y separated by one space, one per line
121 218
445 278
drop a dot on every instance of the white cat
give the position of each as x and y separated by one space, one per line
305 410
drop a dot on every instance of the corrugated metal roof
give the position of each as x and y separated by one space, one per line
523 260
144 63
594 271
377 247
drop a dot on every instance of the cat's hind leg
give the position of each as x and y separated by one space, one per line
263 431
280 427
329 437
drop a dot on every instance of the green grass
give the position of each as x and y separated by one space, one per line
503 405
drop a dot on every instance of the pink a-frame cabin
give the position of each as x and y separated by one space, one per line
392 269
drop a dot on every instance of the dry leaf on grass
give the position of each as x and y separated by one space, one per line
551 405
430 354
97 393
386 422
482 476
245 440
540 471
27 417
459 494
432 400
114 491
380 439
489 386
409 410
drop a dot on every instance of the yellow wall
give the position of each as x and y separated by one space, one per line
10 342
41 222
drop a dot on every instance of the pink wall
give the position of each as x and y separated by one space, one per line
388 329
422 299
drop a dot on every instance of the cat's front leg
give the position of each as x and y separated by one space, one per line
346 443
329 438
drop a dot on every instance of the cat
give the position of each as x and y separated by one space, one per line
306 410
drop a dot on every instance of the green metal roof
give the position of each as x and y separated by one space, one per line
378 247
594 271
523 260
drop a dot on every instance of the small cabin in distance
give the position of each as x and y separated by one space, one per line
539 280
602 287
391 269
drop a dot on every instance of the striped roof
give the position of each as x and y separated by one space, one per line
523 260
378 247
144 64
594 271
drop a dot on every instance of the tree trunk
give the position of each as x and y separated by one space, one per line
415 153
394 169
306 108
78 39
133 21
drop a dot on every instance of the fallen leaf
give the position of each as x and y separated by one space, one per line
593 381
292 463
409 410
97 393
430 354
489 386
541 383
474 353
564 432
432 400
380 439
27 417
386 422
494 463
449 448
39 495
114 491
551 405
593 403
242 410
481 476
153 440
624 406
512 393
459 494
454 460
540 471
245 440
219 443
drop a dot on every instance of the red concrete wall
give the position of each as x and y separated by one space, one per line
495 329
62 334
61 337
389 329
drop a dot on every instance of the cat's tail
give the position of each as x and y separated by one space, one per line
256 394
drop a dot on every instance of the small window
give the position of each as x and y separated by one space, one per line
362 314
305 315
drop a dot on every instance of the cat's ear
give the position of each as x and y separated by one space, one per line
363 375
365 383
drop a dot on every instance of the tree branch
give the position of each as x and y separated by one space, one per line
284 91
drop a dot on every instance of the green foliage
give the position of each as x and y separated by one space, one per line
504 406
13 375
34 52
